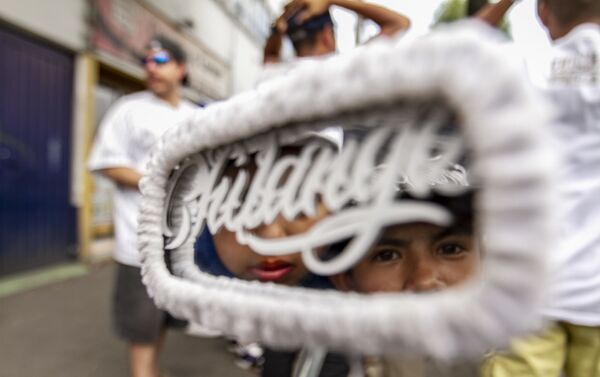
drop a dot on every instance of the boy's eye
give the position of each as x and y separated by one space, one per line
386 255
451 250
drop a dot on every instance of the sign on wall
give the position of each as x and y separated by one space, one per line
123 28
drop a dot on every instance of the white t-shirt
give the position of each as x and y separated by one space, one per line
575 86
125 139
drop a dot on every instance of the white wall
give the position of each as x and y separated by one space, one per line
277 5
246 63
61 21
212 27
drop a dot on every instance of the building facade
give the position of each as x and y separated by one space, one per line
64 63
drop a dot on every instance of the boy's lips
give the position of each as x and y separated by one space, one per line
272 271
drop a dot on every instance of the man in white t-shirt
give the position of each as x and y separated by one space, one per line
121 152
571 346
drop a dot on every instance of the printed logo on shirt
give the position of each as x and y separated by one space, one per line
576 69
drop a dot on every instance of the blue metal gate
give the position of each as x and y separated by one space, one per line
37 223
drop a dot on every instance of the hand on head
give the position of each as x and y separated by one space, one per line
300 11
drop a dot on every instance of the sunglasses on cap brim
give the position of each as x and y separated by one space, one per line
158 58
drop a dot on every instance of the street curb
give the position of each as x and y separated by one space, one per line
34 279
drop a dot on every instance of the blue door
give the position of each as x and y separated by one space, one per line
37 223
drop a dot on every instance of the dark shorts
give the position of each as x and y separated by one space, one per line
136 317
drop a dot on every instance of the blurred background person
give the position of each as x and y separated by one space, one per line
310 28
121 152
571 346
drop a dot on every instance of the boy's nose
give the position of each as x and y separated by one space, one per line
274 230
151 67
425 278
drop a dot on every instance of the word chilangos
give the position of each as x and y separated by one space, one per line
293 185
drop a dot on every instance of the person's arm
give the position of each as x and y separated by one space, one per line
123 176
390 22
272 50
494 13
110 154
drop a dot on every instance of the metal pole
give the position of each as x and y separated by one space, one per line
357 368
310 362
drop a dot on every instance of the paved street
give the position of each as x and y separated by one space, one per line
63 330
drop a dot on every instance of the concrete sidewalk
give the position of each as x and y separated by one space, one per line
63 329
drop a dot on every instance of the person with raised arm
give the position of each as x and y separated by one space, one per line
310 28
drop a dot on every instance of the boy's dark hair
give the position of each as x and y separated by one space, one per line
305 34
164 43
462 208
569 12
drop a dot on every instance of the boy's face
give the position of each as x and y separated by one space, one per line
163 73
415 257
245 264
